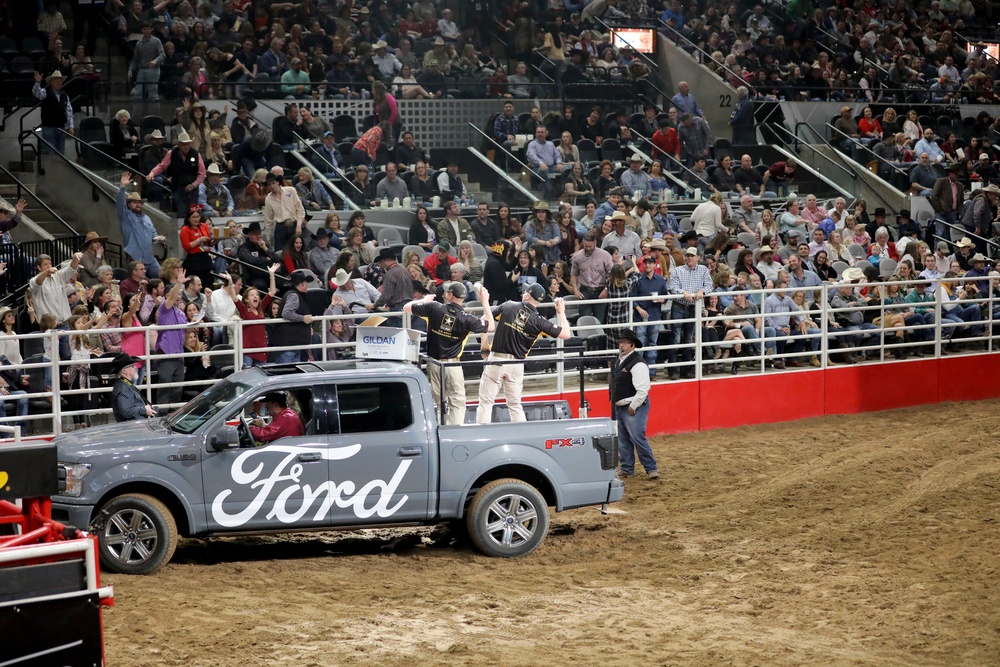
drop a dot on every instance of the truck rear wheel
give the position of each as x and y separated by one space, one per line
138 535
507 518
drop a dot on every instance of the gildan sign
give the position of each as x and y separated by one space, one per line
387 343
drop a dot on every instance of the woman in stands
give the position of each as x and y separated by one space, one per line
823 267
744 263
767 226
605 181
723 178
196 240
337 235
422 232
363 192
312 193
79 372
294 255
214 153
890 123
509 225
473 266
568 241
406 86
198 368
256 191
657 181
422 186
349 263
356 244
911 127
577 187
861 213
364 149
568 151
195 83
123 135
719 330
838 250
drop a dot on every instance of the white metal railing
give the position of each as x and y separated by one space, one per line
696 355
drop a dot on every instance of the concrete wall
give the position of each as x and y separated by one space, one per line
715 97
868 186
72 196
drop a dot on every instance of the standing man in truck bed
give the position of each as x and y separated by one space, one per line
518 326
448 326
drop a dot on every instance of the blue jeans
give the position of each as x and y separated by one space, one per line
56 138
920 335
288 357
249 361
632 439
683 332
648 335
152 268
22 407
867 332
750 333
147 84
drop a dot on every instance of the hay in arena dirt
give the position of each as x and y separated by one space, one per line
869 539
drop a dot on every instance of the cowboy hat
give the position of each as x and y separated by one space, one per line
55 75
90 238
341 277
134 196
657 244
629 335
380 44
155 134
299 276
253 228
438 42
965 243
214 169
183 138
618 215
635 158
121 360
4 310
852 275
322 233
765 248
992 189
386 253
260 140
540 205
978 257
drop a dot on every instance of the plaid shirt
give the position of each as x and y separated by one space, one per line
695 139
683 279
503 126
619 310
111 341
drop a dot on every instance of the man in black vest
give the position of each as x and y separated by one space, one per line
297 332
186 170
630 394
56 110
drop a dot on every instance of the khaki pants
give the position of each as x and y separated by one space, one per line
508 376
454 388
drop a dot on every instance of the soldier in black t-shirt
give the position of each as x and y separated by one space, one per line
518 326
448 326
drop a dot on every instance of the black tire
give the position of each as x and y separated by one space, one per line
138 534
507 518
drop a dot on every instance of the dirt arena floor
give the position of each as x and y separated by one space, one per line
870 539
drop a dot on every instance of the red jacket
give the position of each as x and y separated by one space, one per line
666 143
437 269
285 424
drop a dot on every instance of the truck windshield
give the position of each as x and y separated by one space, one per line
190 417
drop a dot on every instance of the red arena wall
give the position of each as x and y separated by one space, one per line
726 402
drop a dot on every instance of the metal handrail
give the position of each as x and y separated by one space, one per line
797 142
322 177
868 149
966 232
504 175
124 166
705 53
97 188
667 173
505 151
23 189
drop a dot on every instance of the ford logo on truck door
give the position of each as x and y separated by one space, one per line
344 494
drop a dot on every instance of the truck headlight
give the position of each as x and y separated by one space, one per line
75 472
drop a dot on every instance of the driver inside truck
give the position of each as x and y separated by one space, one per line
285 422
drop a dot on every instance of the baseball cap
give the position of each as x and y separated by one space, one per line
691 251
456 288
536 291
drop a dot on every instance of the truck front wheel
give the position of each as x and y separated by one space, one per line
507 518
138 534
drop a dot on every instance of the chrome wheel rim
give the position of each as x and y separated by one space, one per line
130 536
511 520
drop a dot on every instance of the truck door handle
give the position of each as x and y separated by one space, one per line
410 451
309 457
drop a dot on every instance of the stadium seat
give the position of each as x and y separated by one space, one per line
389 236
92 129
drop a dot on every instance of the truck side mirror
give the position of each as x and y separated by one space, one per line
228 437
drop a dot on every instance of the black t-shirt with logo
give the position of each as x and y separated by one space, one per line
448 325
518 324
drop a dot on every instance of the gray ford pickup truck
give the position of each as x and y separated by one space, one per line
373 454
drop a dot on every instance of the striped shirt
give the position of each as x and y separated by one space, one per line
685 279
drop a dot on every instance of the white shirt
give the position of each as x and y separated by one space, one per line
640 380
707 219
50 296
220 307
